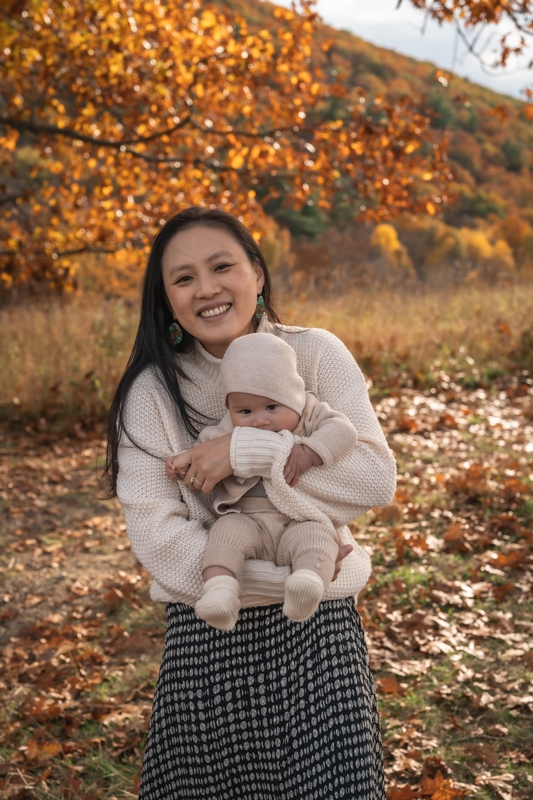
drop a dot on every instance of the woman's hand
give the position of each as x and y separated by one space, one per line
208 463
344 550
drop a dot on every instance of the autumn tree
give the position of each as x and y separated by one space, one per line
116 113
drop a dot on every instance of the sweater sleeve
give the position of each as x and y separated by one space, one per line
211 432
362 479
331 435
167 524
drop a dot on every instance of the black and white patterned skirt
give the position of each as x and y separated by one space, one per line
274 710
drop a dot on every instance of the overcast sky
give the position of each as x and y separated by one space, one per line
379 22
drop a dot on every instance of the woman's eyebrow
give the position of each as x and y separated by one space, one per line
212 257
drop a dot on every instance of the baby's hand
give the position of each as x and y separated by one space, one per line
299 461
172 472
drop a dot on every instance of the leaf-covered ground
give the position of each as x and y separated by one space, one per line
448 612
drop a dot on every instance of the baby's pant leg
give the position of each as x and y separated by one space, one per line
232 538
309 545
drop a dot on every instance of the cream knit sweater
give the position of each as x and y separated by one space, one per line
168 523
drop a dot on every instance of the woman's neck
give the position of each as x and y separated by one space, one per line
217 349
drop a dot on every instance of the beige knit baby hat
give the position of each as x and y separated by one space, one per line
262 364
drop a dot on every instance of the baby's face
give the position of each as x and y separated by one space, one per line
255 411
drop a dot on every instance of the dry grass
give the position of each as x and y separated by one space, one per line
61 360
405 337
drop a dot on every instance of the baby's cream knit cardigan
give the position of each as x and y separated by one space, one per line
167 522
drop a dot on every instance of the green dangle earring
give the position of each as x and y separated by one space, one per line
260 307
175 332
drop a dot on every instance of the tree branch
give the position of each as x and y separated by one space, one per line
9 198
70 133
75 251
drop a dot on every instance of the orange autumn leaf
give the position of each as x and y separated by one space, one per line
501 591
454 539
502 111
407 424
401 793
446 791
454 533
41 750
510 560
388 684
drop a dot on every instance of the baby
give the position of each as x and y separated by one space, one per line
263 390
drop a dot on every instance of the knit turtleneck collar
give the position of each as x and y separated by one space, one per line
212 362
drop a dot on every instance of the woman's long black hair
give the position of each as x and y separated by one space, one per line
152 345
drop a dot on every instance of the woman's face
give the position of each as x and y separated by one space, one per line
211 286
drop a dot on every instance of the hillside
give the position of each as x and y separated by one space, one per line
486 233
490 135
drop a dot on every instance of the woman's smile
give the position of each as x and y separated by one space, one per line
209 313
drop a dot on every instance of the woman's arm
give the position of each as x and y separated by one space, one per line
163 536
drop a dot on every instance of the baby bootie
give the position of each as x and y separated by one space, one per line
219 604
303 592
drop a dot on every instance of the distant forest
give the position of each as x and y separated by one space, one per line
487 231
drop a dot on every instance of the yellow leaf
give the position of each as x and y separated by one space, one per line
237 162
50 749
430 208
427 176
208 19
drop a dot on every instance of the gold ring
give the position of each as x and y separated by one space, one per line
196 481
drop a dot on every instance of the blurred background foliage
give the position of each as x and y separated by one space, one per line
443 219
389 212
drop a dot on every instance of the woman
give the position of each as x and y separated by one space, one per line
273 709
